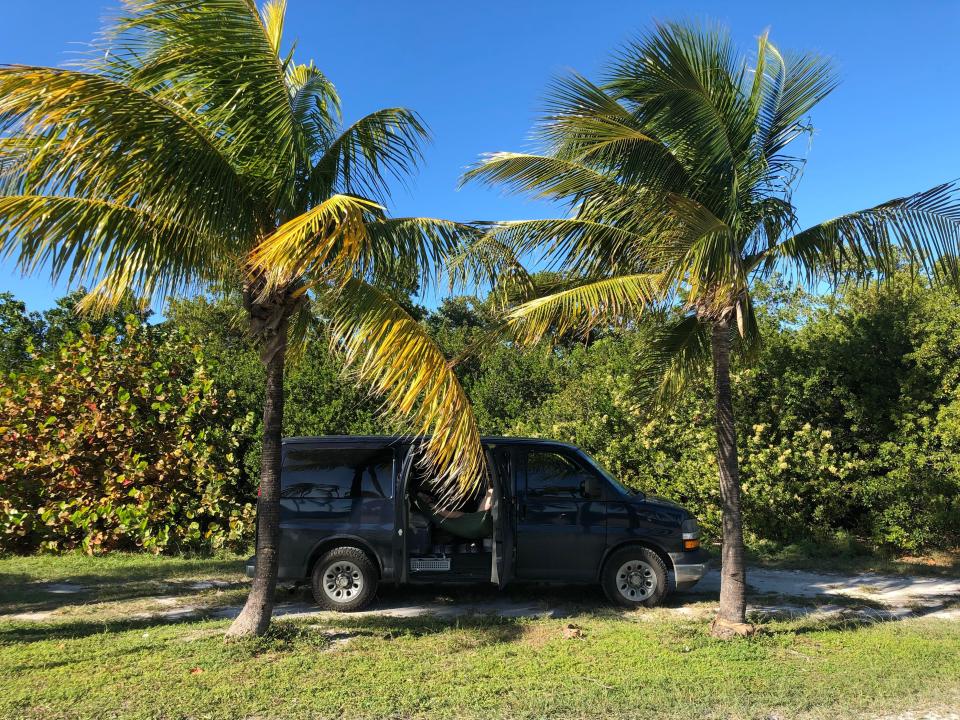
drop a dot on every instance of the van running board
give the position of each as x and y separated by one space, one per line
429 564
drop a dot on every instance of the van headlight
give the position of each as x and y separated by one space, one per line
690 532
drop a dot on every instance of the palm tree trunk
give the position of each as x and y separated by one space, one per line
731 620
255 616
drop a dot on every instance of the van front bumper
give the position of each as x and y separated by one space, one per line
689 567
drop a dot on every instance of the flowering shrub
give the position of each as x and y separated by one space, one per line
121 441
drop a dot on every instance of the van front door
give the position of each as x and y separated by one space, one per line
561 526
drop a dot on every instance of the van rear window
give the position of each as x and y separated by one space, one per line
322 474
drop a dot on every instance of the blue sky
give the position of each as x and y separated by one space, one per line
477 72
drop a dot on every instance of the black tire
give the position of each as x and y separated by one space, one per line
344 579
635 577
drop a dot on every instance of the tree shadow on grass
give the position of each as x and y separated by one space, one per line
283 634
22 592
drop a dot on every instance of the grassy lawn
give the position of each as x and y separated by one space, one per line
100 660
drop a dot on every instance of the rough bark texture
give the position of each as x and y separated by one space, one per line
254 619
731 620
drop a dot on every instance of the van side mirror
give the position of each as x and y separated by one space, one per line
591 487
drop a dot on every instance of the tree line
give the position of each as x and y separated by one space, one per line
137 434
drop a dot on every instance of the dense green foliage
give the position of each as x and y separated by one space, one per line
849 419
121 441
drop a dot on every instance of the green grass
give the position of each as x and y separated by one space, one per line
480 668
636 665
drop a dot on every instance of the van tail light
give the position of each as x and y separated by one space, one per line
258 491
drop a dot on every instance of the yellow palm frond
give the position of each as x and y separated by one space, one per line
273 15
326 241
392 353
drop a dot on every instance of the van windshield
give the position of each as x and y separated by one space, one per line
610 478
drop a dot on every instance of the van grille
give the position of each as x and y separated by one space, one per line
429 564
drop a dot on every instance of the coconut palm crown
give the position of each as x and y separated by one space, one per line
190 150
677 176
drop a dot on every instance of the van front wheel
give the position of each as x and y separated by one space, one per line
635 577
344 579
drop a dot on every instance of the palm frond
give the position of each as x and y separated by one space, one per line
118 247
327 242
316 107
673 355
585 124
393 354
684 83
923 228
84 134
581 308
412 247
787 90
541 176
488 259
381 146
273 15
217 59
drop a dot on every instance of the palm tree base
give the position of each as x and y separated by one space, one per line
726 630
252 621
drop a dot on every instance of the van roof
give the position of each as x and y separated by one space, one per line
396 439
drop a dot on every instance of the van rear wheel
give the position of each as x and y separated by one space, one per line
635 577
344 579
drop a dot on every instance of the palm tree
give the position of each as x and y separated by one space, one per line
677 181
190 151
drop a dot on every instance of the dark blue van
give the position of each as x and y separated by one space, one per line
357 511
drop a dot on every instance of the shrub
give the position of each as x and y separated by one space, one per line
121 441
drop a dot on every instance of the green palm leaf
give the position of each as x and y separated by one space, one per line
584 306
923 228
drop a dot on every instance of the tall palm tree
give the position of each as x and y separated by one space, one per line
677 179
189 150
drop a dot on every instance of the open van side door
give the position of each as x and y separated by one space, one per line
499 470
400 563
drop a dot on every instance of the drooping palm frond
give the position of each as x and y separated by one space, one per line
392 353
581 308
487 259
672 356
119 247
923 228
87 135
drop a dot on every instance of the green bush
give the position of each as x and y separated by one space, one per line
121 441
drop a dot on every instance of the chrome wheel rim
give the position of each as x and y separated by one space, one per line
636 580
342 581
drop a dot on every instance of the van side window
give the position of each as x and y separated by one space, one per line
551 474
318 474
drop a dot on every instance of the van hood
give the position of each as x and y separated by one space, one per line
668 507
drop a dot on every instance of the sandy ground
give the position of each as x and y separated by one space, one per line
772 593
